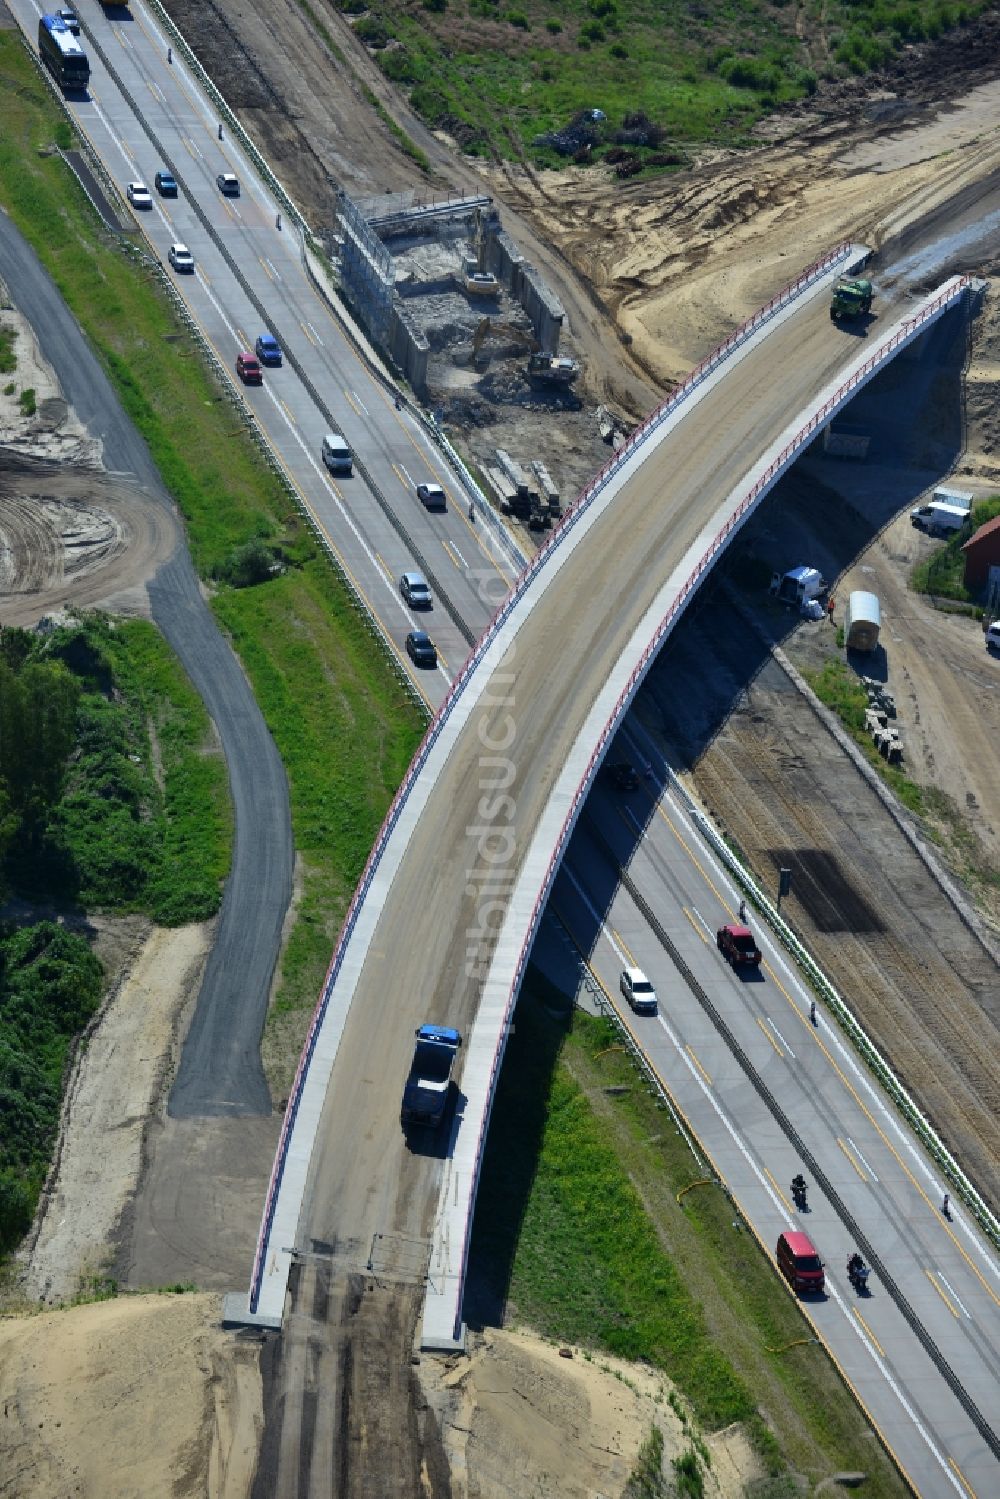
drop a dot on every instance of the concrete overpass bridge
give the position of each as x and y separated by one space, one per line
442 923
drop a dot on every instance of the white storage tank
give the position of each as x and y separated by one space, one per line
864 620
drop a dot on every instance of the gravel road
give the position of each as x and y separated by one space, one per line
220 1070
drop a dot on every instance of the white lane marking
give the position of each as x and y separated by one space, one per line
406 476
315 335
269 262
360 402
459 555
861 1158
781 1038
952 1293
779 1206
708 929
321 474
832 1038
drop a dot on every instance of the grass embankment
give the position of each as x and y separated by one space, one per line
344 726
497 75
579 1232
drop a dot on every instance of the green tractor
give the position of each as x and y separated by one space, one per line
852 298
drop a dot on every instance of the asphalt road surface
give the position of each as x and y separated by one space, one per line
220 1070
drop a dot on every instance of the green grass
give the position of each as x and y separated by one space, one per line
344 725
408 146
579 1232
8 359
496 76
27 402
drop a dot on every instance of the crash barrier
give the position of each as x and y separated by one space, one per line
853 1029
180 42
910 329
556 539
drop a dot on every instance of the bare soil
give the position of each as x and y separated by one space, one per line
652 274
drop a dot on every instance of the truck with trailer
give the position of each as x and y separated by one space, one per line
425 1094
863 621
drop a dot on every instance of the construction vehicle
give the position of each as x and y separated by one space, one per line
489 328
477 282
547 372
852 298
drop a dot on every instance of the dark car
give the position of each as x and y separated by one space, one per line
432 496
70 20
737 946
228 185
248 369
165 184
421 649
623 776
268 349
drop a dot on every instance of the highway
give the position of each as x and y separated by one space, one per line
364 1181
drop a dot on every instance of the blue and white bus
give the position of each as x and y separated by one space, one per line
62 54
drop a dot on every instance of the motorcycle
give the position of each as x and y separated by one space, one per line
799 1193
857 1273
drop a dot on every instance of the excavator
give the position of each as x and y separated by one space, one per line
545 371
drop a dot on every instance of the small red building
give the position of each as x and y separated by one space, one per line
982 551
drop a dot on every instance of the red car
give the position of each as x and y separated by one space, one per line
800 1264
737 946
248 368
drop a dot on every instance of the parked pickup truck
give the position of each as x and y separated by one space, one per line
737 946
427 1087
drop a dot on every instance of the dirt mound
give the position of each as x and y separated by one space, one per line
140 1397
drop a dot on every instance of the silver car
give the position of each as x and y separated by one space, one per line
180 258
416 590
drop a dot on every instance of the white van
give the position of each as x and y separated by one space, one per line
336 454
993 636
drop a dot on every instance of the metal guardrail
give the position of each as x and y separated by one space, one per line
458 686
853 1028
954 290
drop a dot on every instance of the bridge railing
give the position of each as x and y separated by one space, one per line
558 538
928 312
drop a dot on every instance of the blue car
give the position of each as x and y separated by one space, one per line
268 349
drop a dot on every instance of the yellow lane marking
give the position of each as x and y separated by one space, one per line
698 1065
804 1018
352 402
399 475
267 269
207 279
767 1033
850 1156
962 1478
868 1330
244 341
946 1299
308 334
765 1249
624 947
451 554
290 415
774 1184
694 860
382 564
695 924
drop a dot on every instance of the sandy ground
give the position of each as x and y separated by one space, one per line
520 1418
652 275
69 532
137 1398
111 1094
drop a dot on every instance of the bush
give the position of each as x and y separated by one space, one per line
396 64
372 32
618 50
26 401
254 562
519 19
551 25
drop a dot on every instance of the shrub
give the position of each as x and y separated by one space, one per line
618 50
519 19
246 565
372 32
436 6
26 401
553 26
